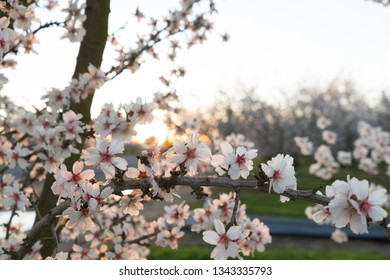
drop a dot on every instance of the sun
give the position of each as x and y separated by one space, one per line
157 129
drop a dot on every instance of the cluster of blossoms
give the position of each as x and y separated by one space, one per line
78 89
370 149
246 237
75 31
104 205
352 202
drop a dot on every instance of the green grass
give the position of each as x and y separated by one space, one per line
203 253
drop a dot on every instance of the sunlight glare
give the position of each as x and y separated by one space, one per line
157 129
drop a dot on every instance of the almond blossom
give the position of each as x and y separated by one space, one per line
353 203
280 171
132 203
93 195
13 196
226 242
68 180
190 153
17 156
177 214
103 156
140 112
235 163
169 237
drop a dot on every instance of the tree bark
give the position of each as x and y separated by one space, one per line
90 52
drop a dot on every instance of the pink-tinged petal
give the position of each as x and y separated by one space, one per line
355 205
240 151
211 237
234 172
244 174
220 171
203 154
217 160
87 174
108 170
116 147
232 250
226 148
132 173
234 233
267 170
219 253
340 187
320 216
377 213
359 188
119 162
377 197
106 192
193 140
219 227
251 154
93 190
77 167
180 234
179 147
92 204
358 224
8 191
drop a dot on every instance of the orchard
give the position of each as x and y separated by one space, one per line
71 169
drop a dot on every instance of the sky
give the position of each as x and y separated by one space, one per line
275 46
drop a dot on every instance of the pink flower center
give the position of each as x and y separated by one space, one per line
224 239
364 206
87 196
15 156
277 175
16 196
105 157
76 178
191 153
240 160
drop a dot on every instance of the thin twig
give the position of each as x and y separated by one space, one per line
8 227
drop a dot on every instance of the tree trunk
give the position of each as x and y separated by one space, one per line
90 52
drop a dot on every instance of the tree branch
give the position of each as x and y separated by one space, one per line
196 182
32 236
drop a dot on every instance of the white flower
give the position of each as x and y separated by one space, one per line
14 196
81 253
281 172
140 112
345 158
236 163
304 145
191 153
68 180
93 195
353 202
169 237
78 219
17 156
94 77
22 16
329 137
323 122
104 156
132 203
339 236
226 242
177 214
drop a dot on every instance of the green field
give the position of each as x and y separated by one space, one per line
203 253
